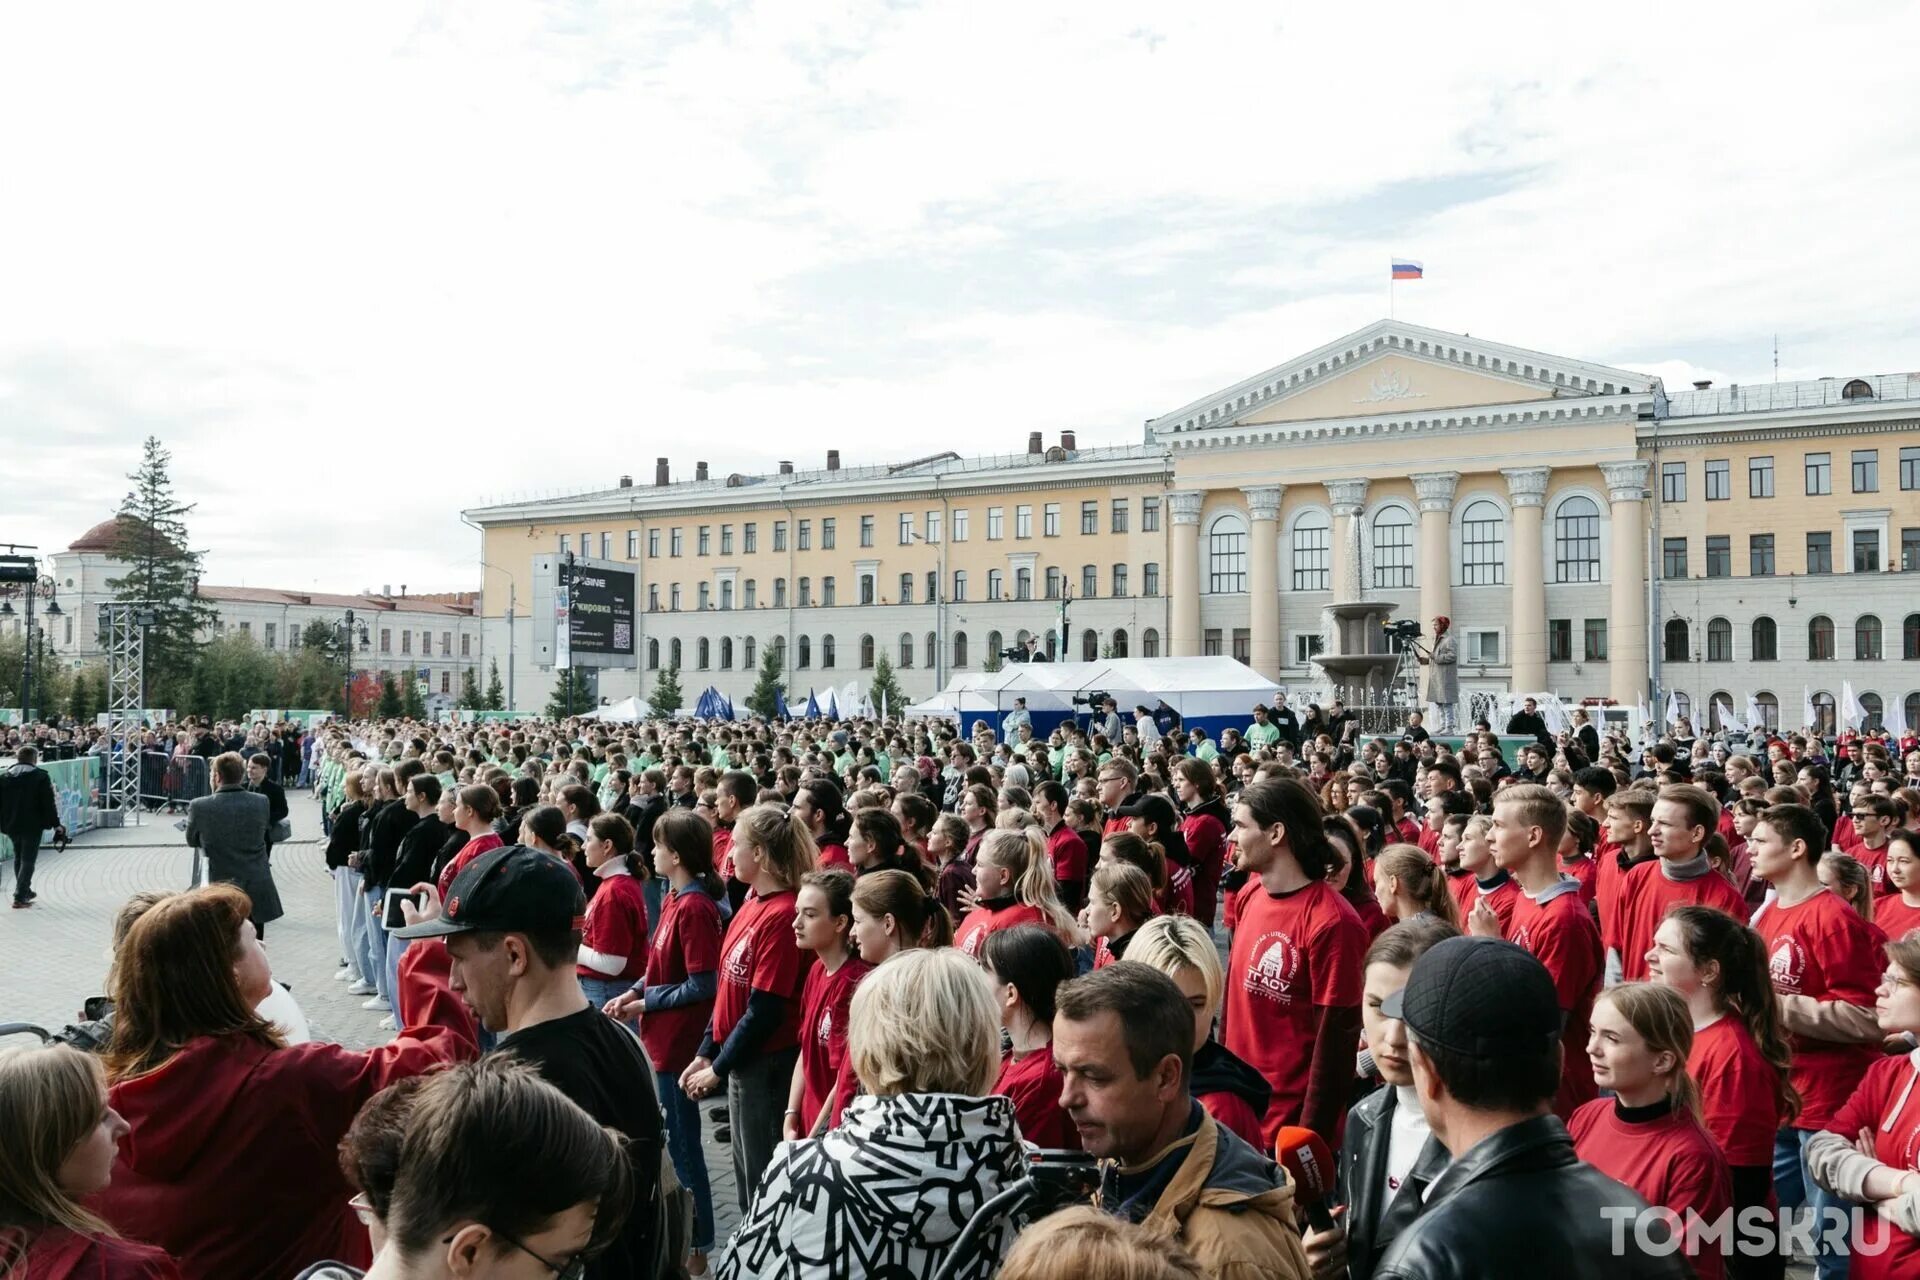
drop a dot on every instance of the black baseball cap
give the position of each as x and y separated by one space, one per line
1480 997
512 889
1155 808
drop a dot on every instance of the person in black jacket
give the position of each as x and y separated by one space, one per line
1483 1030
343 846
386 829
259 779
1529 722
413 860
28 810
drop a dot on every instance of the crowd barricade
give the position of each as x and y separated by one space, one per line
76 794
170 781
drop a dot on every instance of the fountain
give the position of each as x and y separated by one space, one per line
1359 659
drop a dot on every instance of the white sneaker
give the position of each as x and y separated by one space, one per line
378 1004
388 1024
344 974
359 987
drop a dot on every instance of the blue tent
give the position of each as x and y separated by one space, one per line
711 706
813 706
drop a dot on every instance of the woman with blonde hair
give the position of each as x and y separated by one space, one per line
62 1139
1119 901
925 1043
1088 1244
1013 885
1233 1093
1648 1134
1407 883
214 1097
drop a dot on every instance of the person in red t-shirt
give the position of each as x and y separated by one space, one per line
1647 1135
823 925
1204 827
1740 1058
820 804
1026 965
1489 882
752 1042
1013 885
1874 819
1629 816
1065 849
1868 1152
1683 821
473 812
1576 852
1120 902
732 796
613 945
1293 997
1549 920
1824 967
1899 912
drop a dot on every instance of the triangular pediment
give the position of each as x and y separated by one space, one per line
1394 368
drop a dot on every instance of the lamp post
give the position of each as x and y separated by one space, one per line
512 604
341 642
23 575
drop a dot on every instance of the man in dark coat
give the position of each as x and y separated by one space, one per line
260 781
230 827
1529 722
28 810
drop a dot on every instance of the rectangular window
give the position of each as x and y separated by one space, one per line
996 584
866 531
959 586
606 546
1673 482
1149 515
563 544
1023 584
805 589
1393 549
1820 552
804 536
779 535
653 597
1760 555
1119 515
1050 520
406 639
747 599
960 522
386 640
1149 579
1054 583
1596 639
726 594
1866 551
1910 550
829 529
750 537
826 592
706 596
996 523
673 598
1910 468
1819 474
704 545
271 630
933 526
633 544
1119 580
1090 516
446 682
726 539
779 593
466 646
933 586
1719 480
866 588
1210 643
653 544
1673 557
1311 557
1089 581
1719 556
1559 639
446 644
1243 644
1306 647
676 542
1866 471
906 528
1023 522
1483 647
1483 546
1760 477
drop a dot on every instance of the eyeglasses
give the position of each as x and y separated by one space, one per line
572 1269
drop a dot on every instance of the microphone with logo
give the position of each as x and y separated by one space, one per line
1309 1167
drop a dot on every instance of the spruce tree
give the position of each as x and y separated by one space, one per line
470 699
82 702
391 707
413 704
150 538
496 697
884 691
764 701
667 697
582 699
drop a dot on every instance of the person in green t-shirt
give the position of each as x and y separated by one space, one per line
1262 732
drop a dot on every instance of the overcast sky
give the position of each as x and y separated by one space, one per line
366 265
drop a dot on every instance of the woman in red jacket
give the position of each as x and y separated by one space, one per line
62 1137
232 1165
1026 965
1205 827
613 944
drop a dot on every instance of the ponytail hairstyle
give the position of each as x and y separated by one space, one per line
836 886
831 805
689 837
1421 879
1023 856
1348 845
1034 961
923 921
1144 854
585 803
1744 988
1661 1017
616 831
549 825
1127 888
919 811
781 842
1850 882
881 830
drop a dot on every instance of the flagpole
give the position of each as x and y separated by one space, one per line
1389 291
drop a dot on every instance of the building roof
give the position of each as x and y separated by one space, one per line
1784 397
434 604
105 536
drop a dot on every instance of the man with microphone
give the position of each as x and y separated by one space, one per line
1123 1042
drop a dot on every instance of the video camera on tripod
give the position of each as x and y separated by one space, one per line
1405 630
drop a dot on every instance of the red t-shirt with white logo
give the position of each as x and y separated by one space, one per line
1291 952
468 852
686 941
1894 916
1875 861
1559 930
1034 1085
971 936
1645 900
1671 1161
760 955
825 1003
1738 1102
1823 949
1888 1103
1500 898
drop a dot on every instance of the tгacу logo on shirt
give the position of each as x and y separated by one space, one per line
1786 965
1277 967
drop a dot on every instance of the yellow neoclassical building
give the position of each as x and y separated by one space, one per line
1550 506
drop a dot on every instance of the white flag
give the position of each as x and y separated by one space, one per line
1894 720
1756 715
1808 720
1673 708
1728 720
1854 715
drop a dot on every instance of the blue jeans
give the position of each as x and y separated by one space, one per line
396 947
373 941
689 1158
1795 1187
601 990
653 891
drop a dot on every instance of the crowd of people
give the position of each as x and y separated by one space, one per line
1285 1002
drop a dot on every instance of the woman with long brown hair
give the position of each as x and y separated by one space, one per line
232 1167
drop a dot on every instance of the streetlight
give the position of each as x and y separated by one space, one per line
22 577
512 603
341 642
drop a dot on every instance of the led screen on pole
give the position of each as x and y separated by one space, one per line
600 609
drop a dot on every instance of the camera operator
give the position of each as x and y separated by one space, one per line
1443 681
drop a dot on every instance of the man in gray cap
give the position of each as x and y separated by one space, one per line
1483 1028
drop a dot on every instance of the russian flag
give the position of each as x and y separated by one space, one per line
1407 269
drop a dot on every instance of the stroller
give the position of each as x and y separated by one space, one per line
90 1035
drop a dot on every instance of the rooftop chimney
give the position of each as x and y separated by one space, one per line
1703 385
386 588
699 471
833 459
1033 442
1066 441
660 472
626 482
403 591
786 468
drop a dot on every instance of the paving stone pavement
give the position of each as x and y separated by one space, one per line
54 955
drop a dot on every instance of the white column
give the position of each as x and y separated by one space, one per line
1627 631
1263 579
1349 500
1527 634
1435 490
1183 510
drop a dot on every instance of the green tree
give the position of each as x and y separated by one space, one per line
230 676
991 664
667 697
413 703
764 701
582 695
87 698
13 662
470 699
52 681
884 690
391 707
150 538
316 635
496 697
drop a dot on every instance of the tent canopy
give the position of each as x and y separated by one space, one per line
1199 689
625 711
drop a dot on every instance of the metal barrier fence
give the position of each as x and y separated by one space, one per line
171 782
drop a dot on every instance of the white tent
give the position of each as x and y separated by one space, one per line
1216 686
626 711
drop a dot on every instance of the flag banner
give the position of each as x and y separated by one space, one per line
1408 269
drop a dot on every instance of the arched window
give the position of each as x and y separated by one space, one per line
780 650
993 647
726 594
1766 640
704 648
1769 710
1053 646
1089 645
1392 548
1719 640
1874 708
1483 545
1683 705
1053 582
1312 551
959 648
653 655
746 653
673 652
933 651
1866 638
1226 555
1576 540
866 652
803 654
726 653
1677 647
994 580
747 598
1716 703
1823 717
1913 711
1023 584
906 649
826 652
1857 389
960 586
1119 643
1820 638
1149 643
779 593
1910 645
805 588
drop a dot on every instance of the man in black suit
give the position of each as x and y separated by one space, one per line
260 780
28 809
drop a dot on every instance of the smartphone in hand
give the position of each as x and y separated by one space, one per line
394 917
